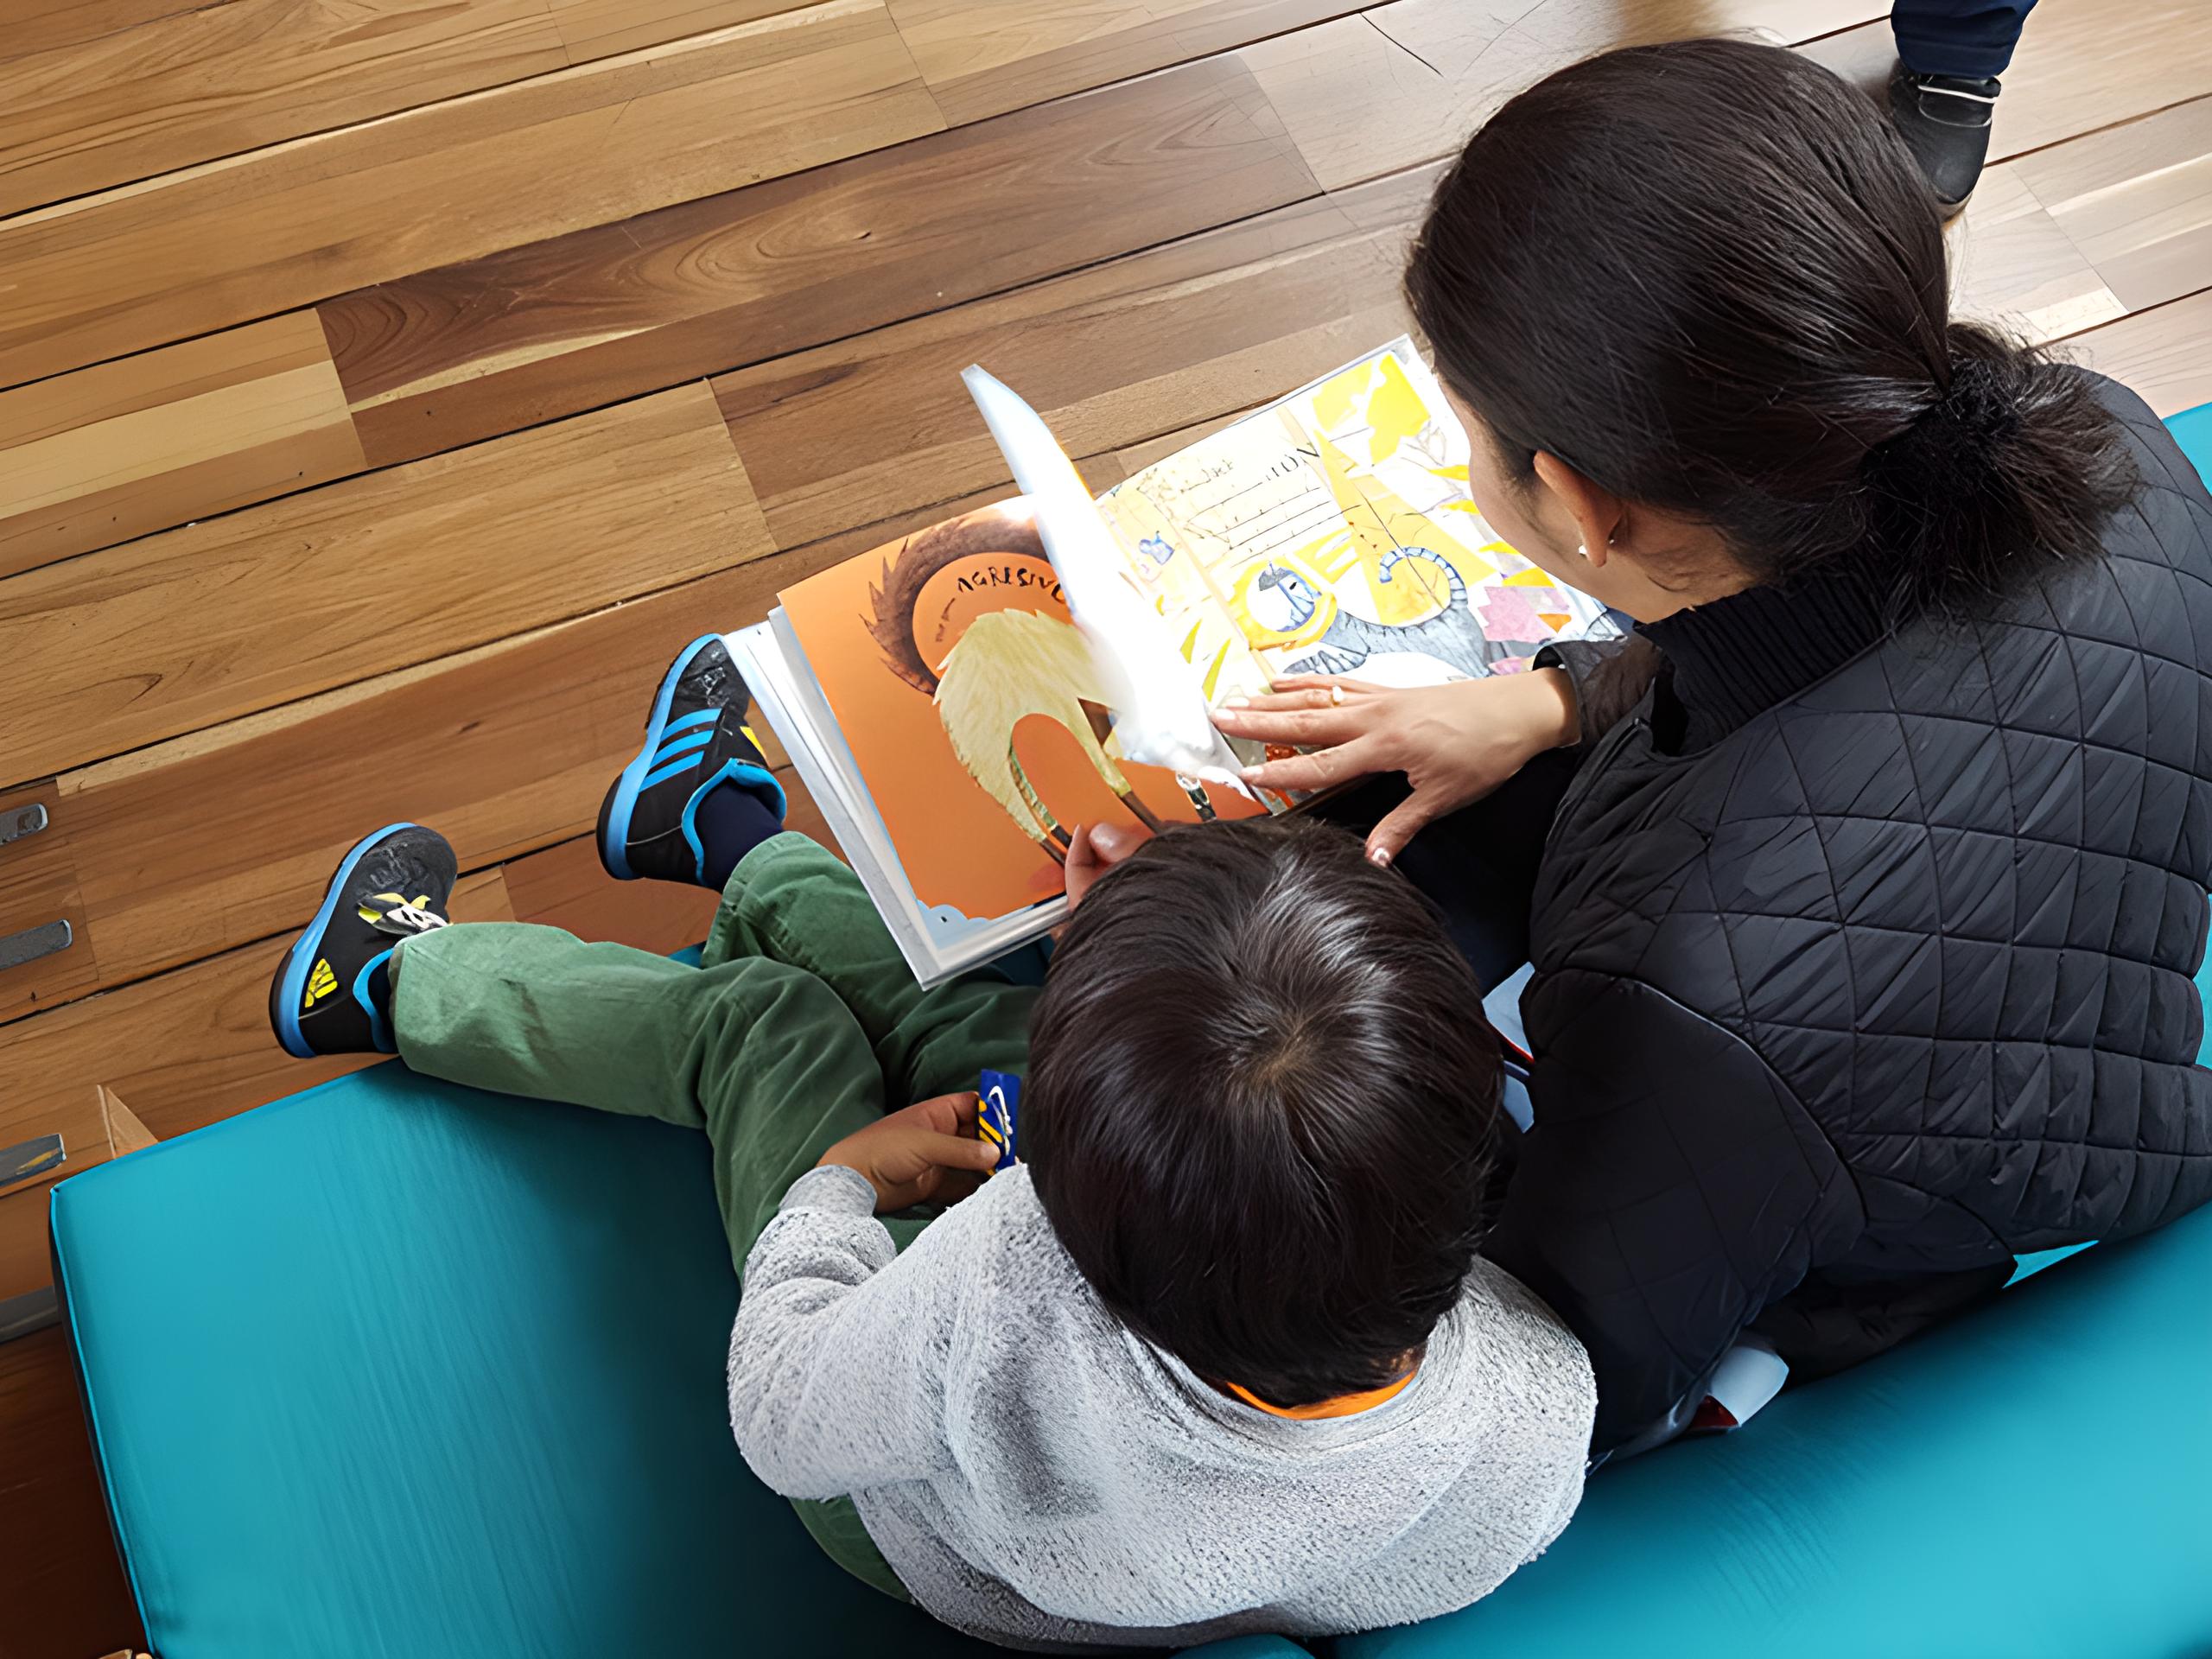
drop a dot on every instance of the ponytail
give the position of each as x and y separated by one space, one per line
2016 465
1710 277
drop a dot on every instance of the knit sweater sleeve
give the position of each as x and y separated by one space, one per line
839 1355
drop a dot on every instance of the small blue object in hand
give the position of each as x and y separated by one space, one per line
997 1096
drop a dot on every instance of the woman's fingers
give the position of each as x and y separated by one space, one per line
1401 823
1325 683
1298 727
1323 769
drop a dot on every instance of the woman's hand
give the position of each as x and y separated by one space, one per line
1093 849
1455 743
927 1152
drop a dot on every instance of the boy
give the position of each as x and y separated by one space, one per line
1217 1357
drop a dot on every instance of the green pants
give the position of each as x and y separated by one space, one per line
801 1024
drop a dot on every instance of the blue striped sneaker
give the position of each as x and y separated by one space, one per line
696 740
327 996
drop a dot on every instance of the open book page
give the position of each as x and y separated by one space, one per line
969 705
1331 533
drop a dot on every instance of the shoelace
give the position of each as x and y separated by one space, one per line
415 919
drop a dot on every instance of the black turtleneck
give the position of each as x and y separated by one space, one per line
1738 657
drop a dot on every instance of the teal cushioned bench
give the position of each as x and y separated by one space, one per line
393 1369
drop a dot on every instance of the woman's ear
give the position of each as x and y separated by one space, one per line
1599 515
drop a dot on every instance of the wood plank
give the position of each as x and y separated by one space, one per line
565 886
505 749
452 355
38 885
982 57
600 29
2164 353
2136 200
2014 265
213 621
123 449
2082 65
1409 81
29 26
226 241
59 1578
214 80
1109 356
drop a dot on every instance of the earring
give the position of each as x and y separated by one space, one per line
1581 551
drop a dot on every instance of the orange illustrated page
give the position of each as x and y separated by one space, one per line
973 712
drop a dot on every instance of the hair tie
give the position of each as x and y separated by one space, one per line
1975 408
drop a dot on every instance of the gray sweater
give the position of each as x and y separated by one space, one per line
1037 1475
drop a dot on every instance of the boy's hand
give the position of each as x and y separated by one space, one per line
1093 849
927 1152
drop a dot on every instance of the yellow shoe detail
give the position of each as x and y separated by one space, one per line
321 983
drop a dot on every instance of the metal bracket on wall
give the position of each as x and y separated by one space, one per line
24 821
16 949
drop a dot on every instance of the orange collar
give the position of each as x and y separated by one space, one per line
1345 1405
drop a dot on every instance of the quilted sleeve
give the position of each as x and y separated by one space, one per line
1610 676
1671 1188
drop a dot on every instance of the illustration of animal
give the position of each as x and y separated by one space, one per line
1450 635
1007 665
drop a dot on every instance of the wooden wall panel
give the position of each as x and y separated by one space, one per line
122 449
38 885
455 354
186 1048
215 244
67 1593
982 57
1108 356
214 620
214 81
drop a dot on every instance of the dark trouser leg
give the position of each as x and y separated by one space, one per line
1973 39
1478 866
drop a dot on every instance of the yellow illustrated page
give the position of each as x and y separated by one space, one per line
1331 533
973 712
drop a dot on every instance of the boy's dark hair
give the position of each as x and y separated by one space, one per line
1262 1105
1710 277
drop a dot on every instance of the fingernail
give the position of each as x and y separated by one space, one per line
1250 775
1379 855
1236 703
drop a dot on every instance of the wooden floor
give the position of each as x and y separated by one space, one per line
387 388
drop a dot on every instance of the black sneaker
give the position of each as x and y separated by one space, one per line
327 997
1944 121
696 739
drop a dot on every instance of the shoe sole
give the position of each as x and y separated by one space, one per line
614 811
284 990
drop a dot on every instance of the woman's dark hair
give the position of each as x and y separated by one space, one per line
1260 1107
1710 277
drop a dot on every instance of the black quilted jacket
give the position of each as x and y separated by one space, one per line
1835 1014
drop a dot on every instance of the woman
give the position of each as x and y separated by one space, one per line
1876 865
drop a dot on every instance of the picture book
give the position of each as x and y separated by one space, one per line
958 700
